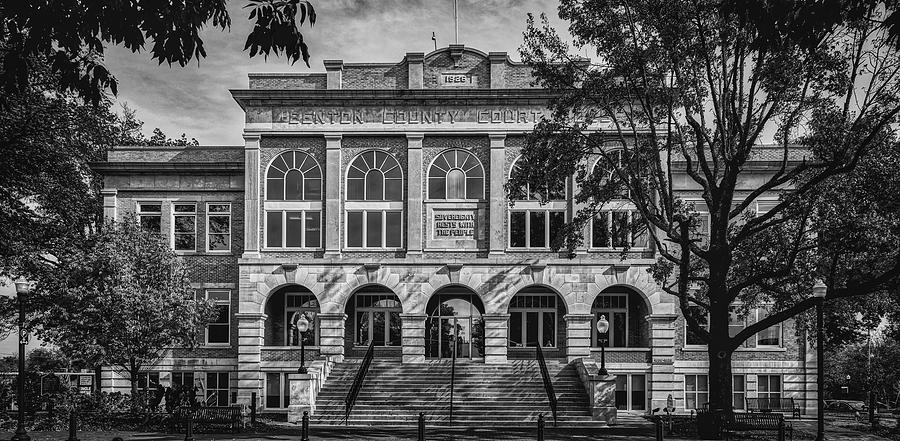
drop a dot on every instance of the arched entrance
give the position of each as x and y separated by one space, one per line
536 318
283 308
373 314
454 325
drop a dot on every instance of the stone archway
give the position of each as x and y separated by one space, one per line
454 324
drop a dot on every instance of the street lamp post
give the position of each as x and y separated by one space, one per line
23 288
603 328
302 326
819 291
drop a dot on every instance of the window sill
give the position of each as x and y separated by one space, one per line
698 348
373 249
219 253
287 348
215 346
291 249
626 349
532 250
617 250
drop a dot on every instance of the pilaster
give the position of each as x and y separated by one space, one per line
331 335
578 336
498 69
334 71
333 184
109 203
413 338
302 398
415 62
497 229
662 370
414 183
250 341
496 338
251 196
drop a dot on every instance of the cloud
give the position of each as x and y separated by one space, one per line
195 100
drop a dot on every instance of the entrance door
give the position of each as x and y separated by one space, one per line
454 327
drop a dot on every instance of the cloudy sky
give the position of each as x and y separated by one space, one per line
195 99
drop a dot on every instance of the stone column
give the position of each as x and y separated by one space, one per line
251 196
578 336
331 335
662 371
414 180
496 338
109 203
250 342
497 229
413 337
333 185
302 398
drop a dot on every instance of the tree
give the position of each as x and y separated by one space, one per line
689 90
869 368
121 301
70 36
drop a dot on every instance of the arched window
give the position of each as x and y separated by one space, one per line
619 224
557 191
618 159
456 174
374 176
294 176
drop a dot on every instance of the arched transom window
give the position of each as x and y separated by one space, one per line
456 174
556 190
374 176
294 176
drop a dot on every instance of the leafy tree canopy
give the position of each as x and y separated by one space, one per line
71 36
120 301
685 93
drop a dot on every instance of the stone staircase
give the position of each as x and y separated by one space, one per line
513 394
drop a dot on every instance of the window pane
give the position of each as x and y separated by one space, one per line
294 229
622 392
638 392
218 224
690 382
354 229
619 229
217 333
313 189
393 228
394 329
362 328
273 390
515 329
639 234
549 325
151 223
355 189
531 328
393 189
620 331
273 229
374 186
517 229
474 188
537 229
373 229
293 185
600 231
557 221
456 184
313 229
436 188
378 327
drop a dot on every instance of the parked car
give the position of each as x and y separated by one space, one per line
845 406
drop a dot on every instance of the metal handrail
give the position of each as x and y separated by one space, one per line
452 379
548 384
358 381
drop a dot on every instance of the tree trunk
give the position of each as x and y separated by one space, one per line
720 383
133 375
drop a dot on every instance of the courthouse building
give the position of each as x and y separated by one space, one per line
371 199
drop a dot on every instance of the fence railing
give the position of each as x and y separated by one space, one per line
358 381
548 383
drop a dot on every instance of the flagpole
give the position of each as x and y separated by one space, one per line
456 19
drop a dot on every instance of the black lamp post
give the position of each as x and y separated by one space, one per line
819 291
302 326
23 288
603 328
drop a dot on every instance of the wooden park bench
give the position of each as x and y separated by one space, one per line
207 416
758 422
774 405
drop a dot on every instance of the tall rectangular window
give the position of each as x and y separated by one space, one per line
147 381
183 379
738 392
217 389
769 387
770 336
293 229
185 227
692 338
696 391
278 390
614 307
374 229
218 227
218 331
535 228
150 216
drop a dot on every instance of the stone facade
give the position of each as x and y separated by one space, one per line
456 100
